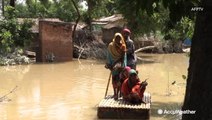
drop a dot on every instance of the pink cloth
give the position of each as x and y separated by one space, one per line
127 68
126 30
121 76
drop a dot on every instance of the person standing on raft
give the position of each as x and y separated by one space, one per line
116 60
131 56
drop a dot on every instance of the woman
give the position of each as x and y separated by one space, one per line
116 60
132 89
124 74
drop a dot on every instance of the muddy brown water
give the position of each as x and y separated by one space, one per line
72 90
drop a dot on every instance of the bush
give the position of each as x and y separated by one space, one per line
6 41
12 33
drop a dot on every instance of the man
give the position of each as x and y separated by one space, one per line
116 60
131 57
132 90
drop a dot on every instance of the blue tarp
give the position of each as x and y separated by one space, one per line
187 42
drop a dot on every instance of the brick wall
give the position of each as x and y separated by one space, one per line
55 38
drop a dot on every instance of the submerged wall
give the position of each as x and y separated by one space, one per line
55 42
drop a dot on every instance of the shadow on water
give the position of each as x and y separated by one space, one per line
145 56
139 61
146 61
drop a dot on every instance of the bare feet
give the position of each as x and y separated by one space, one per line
143 102
115 97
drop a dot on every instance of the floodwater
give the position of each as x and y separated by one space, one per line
72 90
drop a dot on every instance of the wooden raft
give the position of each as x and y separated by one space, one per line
109 108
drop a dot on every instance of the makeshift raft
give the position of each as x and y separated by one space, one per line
109 108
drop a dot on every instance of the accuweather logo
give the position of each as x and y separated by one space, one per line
175 112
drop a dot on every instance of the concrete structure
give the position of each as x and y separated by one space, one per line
55 41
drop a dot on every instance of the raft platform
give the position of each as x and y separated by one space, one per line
109 108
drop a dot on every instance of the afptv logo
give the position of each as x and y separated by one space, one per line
197 9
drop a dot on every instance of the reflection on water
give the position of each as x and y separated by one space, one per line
72 90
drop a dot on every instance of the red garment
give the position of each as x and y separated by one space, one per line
136 90
125 89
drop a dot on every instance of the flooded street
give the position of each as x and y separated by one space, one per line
72 90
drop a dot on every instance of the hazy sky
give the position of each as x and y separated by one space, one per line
20 1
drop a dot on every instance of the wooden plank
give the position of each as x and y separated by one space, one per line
109 108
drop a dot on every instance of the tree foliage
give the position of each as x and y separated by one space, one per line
12 33
181 30
172 18
97 9
138 17
63 9
151 15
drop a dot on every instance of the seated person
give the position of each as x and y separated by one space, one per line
132 90
138 92
124 74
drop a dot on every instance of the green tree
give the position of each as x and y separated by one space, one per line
137 17
12 33
152 15
96 9
180 31
63 9
32 9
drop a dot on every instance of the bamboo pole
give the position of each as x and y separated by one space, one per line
108 84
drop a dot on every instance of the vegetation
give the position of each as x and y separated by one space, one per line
145 18
152 16
12 33
63 10
141 15
181 30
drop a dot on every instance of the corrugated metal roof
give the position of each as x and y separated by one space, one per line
110 18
